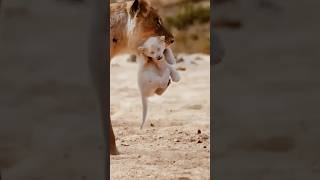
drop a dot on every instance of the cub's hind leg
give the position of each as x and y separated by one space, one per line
160 91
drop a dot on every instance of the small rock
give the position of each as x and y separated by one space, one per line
204 136
125 144
151 124
199 131
197 58
195 106
204 146
132 58
176 140
194 37
180 60
194 63
183 178
199 141
181 69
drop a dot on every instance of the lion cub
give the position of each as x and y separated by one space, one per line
154 70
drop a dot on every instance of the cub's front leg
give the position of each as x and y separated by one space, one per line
168 54
175 76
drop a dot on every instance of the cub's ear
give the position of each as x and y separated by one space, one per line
139 7
162 38
141 49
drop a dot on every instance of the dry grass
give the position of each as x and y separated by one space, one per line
190 25
188 16
192 40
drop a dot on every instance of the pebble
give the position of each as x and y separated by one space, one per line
181 68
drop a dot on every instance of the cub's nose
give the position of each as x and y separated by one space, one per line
159 57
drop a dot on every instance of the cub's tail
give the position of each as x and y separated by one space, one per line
144 109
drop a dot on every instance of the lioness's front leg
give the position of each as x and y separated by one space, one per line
112 141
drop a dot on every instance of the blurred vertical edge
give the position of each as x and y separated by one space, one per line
212 63
99 66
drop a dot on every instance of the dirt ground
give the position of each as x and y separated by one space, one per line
174 143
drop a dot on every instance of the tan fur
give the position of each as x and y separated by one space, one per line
147 23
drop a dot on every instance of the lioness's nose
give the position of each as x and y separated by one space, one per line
172 41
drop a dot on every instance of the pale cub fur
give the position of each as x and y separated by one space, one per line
154 70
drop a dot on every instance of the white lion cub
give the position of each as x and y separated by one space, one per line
154 70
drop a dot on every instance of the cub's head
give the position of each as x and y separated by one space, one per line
148 22
153 48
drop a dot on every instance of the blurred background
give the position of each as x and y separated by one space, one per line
50 123
266 103
189 21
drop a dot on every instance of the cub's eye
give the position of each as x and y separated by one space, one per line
152 52
158 49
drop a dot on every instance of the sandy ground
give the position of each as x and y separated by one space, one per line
174 143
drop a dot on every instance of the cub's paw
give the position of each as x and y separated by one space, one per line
175 77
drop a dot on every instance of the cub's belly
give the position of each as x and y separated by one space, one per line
148 83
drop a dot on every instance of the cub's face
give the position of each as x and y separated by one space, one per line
153 47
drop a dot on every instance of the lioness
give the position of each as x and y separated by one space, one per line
131 23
